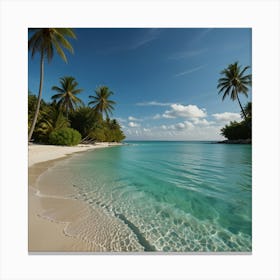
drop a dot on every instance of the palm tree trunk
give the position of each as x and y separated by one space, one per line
245 117
39 97
241 107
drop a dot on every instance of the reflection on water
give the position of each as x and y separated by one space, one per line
166 196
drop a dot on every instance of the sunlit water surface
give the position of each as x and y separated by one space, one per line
172 196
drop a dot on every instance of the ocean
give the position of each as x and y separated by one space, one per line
165 196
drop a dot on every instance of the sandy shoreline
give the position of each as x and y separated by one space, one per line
42 153
45 234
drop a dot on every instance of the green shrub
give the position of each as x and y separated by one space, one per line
65 136
237 130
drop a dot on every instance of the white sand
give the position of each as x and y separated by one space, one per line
44 235
42 153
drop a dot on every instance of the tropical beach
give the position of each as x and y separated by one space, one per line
129 151
46 234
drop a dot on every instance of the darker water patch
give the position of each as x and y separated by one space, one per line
142 240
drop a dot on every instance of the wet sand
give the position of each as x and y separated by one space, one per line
52 217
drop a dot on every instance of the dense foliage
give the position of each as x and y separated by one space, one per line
52 118
240 130
236 131
44 41
65 136
233 82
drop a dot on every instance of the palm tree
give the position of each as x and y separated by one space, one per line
234 82
248 110
66 94
101 101
44 41
52 119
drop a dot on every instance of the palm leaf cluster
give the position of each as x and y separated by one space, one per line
101 102
234 82
46 40
66 94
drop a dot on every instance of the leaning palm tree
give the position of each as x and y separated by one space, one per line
66 94
101 101
44 41
235 82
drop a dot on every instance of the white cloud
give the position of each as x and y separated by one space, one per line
133 124
182 125
179 131
179 126
227 116
189 111
156 117
188 125
202 122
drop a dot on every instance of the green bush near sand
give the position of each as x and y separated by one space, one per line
65 137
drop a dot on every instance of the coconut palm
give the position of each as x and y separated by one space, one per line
235 82
66 94
44 41
101 101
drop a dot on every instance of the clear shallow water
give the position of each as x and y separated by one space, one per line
172 196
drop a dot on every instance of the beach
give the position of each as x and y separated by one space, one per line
139 197
45 234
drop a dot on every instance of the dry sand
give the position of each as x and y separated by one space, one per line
42 153
44 234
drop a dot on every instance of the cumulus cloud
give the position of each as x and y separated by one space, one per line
133 124
227 116
188 111
179 131
201 122
182 125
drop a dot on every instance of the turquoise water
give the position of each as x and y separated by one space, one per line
173 196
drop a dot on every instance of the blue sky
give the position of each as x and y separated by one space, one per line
164 79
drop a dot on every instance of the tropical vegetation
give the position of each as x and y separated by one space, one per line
66 120
101 103
240 130
85 120
233 82
44 41
65 136
66 94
